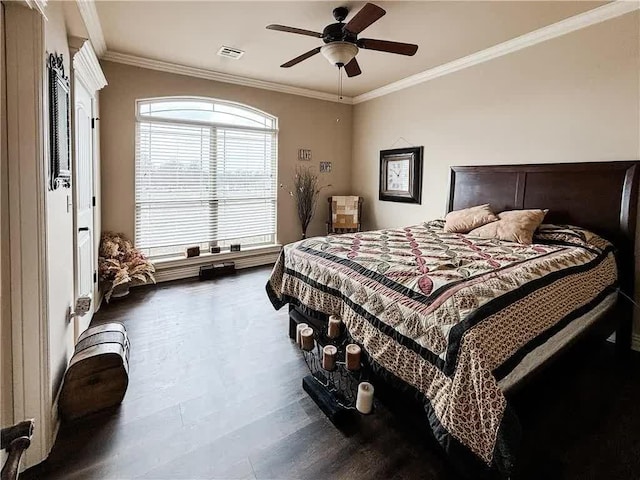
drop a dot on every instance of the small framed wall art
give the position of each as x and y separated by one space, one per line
401 175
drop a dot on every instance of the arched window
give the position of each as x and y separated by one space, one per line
205 175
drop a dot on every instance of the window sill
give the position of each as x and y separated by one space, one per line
178 267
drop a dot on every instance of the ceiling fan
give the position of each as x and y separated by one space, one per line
341 39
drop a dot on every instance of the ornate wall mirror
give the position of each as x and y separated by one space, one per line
59 124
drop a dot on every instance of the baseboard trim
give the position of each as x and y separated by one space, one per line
178 270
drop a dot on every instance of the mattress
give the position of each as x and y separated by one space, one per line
446 315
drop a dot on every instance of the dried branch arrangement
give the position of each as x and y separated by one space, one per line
306 191
120 263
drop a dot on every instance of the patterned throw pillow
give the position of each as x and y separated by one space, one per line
569 235
463 221
513 226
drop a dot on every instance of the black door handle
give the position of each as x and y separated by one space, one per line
83 229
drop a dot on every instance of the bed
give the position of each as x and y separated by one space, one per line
459 321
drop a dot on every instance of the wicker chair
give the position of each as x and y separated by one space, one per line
345 213
15 440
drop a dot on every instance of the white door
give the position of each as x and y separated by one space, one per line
84 201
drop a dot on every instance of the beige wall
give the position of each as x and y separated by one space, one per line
574 98
59 233
6 376
324 127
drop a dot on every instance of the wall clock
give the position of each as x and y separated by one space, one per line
401 175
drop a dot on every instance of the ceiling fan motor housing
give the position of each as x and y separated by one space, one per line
336 33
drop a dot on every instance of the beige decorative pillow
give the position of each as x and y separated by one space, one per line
463 221
513 226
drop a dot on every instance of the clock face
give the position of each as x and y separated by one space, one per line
398 175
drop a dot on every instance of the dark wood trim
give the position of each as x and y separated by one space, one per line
521 186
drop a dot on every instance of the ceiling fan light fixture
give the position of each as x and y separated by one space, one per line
339 53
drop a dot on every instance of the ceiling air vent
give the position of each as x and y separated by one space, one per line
230 52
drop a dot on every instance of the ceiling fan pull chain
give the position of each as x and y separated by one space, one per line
340 80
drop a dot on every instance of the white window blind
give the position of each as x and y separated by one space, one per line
205 175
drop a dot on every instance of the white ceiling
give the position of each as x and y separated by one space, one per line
190 33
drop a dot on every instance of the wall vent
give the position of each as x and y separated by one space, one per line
230 52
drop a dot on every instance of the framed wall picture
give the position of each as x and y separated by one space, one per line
401 175
59 124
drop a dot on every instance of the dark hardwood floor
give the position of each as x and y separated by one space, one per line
215 392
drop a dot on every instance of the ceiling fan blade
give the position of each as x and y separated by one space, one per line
299 31
387 46
352 68
302 57
367 15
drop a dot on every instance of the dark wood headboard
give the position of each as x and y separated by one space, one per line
599 196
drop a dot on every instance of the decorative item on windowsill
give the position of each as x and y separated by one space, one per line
305 192
234 247
192 252
120 264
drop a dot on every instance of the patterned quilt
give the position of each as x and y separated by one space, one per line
445 313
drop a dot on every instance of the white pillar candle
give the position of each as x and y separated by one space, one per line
329 353
353 356
364 400
299 328
335 323
306 339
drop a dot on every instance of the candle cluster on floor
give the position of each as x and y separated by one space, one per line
329 360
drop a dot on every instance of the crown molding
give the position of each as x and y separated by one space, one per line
563 27
86 64
39 5
592 17
219 76
91 20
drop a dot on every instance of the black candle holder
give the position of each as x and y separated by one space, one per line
335 391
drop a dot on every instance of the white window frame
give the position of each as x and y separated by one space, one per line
141 118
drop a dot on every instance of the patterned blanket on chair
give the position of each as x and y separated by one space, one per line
442 312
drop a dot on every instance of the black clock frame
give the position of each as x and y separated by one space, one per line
414 194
